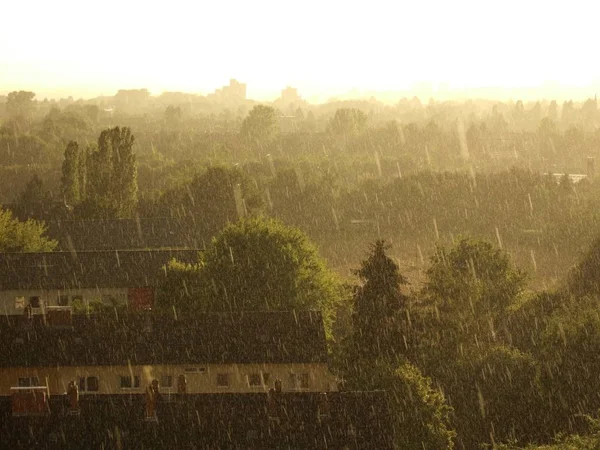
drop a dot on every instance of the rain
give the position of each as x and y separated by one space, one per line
259 225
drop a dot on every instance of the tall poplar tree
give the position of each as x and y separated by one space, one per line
71 176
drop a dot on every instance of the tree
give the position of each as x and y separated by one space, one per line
19 105
214 198
16 236
180 288
348 122
584 278
35 200
107 175
173 115
473 279
261 264
377 301
260 126
70 187
420 413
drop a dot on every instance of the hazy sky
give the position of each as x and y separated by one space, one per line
323 47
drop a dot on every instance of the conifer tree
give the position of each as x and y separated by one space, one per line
377 301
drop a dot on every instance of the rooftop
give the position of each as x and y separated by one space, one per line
87 269
148 338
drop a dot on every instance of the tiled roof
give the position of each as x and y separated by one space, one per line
148 338
86 269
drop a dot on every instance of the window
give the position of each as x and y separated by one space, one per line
299 380
166 381
89 384
222 380
20 302
127 382
34 301
254 380
63 300
28 381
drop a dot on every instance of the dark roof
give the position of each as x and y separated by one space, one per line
76 270
250 337
108 234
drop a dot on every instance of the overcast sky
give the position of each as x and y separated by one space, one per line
324 48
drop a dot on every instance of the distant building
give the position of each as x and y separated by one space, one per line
233 94
289 101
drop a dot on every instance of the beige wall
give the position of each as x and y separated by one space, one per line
57 379
50 297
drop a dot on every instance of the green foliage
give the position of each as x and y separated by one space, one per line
421 414
26 236
584 278
181 288
19 104
377 301
260 126
348 122
112 173
173 115
261 264
473 279
101 181
212 199
71 177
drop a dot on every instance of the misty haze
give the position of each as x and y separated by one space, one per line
309 226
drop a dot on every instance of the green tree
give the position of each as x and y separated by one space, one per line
71 178
261 264
173 115
420 413
473 280
16 236
348 122
180 288
213 199
20 106
584 278
260 126
377 301
111 176
35 201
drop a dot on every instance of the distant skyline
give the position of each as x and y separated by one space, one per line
465 48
